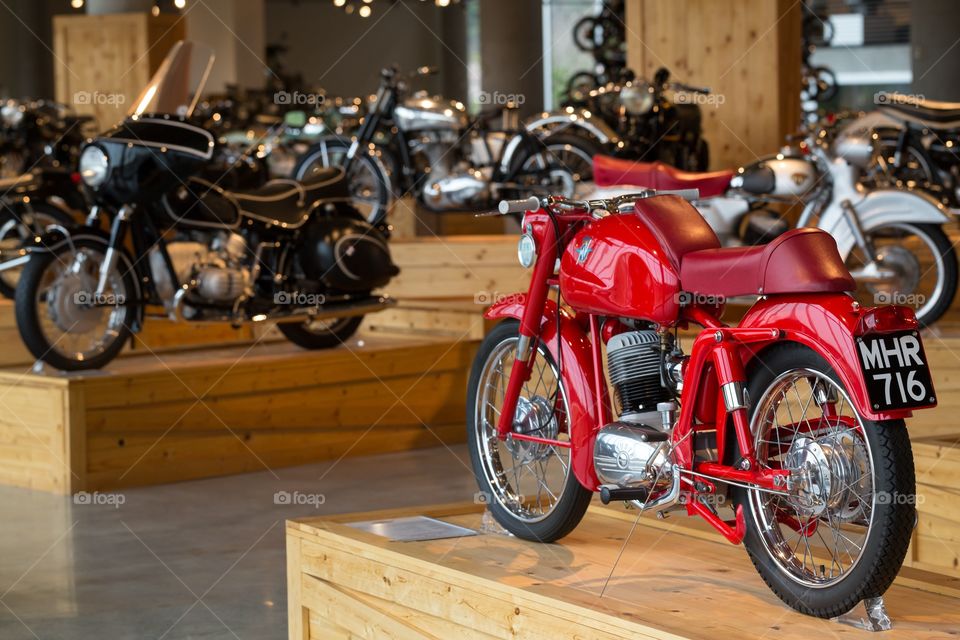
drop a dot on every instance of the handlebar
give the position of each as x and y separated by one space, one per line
596 208
679 86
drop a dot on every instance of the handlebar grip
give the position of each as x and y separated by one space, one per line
519 206
686 194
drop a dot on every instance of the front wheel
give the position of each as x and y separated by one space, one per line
320 334
60 316
530 488
841 531
915 266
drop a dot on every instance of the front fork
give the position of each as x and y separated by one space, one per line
529 333
117 232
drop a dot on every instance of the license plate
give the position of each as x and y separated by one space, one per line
895 369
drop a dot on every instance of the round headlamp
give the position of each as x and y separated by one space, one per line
526 250
637 99
94 166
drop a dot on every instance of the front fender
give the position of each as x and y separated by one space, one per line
585 411
576 119
827 324
879 207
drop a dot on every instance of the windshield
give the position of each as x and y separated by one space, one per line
176 86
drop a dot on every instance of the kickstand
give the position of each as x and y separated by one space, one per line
870 615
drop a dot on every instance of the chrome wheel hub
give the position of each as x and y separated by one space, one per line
905 269
536 417
70 302
826 472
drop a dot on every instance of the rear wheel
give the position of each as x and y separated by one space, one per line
369 183
558 165
530 488
320 334
841 534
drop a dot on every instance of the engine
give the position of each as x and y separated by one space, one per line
452 182
634 452
217 270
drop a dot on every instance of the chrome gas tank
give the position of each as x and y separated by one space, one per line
425 113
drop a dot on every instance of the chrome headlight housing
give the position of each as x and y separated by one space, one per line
94 166
526 250
637 98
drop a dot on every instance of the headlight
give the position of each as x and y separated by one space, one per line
11 114
526 250
94 166
637 99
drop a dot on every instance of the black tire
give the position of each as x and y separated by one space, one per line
574 500
585 34
28 319
326 338
888 537
330 152
582 146
53 214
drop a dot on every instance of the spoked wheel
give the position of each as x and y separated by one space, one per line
916 266
369 183
17 229
559 166
840 531
60 317
320 334
529 487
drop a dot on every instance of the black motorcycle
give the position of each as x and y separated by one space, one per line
430 147
38 131
657 120
290 252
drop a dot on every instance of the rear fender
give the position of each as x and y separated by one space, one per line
828 324
585 410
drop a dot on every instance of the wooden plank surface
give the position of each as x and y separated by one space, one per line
167 417
665 585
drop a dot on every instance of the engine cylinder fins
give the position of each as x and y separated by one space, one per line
634 361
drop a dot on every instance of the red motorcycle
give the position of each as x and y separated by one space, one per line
785 432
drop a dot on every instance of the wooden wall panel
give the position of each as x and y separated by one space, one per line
746 51
100 57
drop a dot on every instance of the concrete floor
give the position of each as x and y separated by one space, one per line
202 559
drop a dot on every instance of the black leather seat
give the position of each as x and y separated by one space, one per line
930 113
288 202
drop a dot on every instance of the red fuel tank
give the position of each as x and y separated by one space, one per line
628 265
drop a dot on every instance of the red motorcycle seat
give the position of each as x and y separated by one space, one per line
799 261
609 171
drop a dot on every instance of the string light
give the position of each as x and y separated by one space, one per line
365 7
180 4
76 4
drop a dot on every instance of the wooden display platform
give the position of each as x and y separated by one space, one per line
346 583
158 336
150 419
